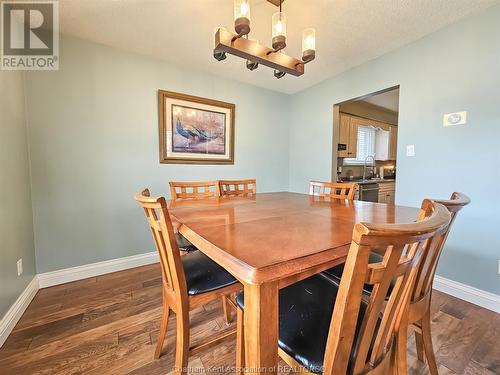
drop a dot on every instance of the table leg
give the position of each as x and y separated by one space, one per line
261 327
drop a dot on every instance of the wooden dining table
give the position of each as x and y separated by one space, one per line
270 240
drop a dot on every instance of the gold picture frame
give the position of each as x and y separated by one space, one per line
195 130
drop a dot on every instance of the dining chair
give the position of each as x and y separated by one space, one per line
419 309
332 190
331 328
191 191
234 188
188 281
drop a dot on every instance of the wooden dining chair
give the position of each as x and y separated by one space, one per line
188 281
191 191
188 191
332 190
234 188
419 309
331 328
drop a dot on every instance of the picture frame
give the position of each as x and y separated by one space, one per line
195 130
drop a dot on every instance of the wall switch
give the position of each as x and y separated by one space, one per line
455 118
410 150
20 267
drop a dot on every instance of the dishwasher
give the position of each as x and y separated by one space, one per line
368 192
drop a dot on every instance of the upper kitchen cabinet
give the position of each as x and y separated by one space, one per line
393 142
348 137
386 141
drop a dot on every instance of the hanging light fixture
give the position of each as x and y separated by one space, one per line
219 55
252 65
279 30
253 52
308 45
242 17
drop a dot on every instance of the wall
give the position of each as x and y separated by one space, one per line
94 142
451 70
16 221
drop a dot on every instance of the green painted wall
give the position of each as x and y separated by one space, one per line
16 221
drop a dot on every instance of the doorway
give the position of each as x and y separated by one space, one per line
365 144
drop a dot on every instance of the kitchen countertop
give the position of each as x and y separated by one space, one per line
372 181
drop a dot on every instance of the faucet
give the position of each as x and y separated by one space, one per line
364 165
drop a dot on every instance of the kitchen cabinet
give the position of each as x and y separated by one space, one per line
348 137
387 192
386 142
393 142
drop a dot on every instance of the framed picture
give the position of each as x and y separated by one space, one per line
195 130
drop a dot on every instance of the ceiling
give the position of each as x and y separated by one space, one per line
348 32
388 100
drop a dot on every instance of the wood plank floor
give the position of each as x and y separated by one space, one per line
109 325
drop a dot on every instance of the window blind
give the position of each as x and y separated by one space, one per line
365 148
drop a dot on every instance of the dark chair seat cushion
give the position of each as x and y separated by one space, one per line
203 274
184 244
305 313
335 273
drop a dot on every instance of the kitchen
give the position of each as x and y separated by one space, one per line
367 145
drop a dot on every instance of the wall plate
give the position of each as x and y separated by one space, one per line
455 118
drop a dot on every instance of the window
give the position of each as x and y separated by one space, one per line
366 146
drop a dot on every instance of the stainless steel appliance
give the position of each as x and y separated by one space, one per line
368 192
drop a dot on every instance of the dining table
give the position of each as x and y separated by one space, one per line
268 241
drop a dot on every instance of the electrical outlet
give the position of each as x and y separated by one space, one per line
20 267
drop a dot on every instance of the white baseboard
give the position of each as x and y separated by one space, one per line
468 293
67 275
15 312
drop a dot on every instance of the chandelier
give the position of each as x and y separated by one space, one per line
239 44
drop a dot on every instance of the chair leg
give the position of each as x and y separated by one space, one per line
240 342
427 340
419 343
227 309
163 330
182 343
401 351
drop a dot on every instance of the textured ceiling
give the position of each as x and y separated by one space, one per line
349 32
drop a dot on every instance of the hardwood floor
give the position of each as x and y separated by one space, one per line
109 325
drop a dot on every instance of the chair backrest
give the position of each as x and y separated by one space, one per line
427 269
174 280
235 188
376 319
332 190
193 190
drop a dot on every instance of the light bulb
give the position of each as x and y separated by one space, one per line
244 9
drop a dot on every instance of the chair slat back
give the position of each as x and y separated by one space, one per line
401 246
332 190
427 269
234 188
193 190
162 231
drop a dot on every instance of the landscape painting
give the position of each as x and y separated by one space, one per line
195 130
